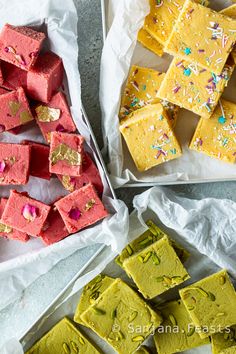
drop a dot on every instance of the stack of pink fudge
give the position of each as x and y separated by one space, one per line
30 91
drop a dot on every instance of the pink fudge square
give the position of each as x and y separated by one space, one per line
39 160
54 228
24 213
15 110
55 116
81 208
13 77
11 234
45 77
14 164
66 154
90 174
20 45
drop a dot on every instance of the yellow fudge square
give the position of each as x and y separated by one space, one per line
191 87
150 43
202 36
216 137
211 303
231 12
225 342
141 89
162 17
150 137
176 333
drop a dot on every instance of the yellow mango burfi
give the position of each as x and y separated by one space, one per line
216 137
162 17
150 43
150 137
191 87
224 342
202 36
231 12
141 89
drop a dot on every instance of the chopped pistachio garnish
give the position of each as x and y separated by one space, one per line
89 204
14 107
173 320
129 250
137 339
81 340
146 258
74 346
6 229
25 117
66 181
155 259
140 258
47 114
159 279
64 152
66 348
99 311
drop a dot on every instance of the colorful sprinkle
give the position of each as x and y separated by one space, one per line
187 72
222 120
187 51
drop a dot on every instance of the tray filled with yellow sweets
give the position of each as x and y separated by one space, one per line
167 91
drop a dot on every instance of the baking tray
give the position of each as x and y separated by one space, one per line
105 28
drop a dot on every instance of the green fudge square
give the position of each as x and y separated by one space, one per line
156 269
121 318
176 333
224 342
64 337
211 303
91 293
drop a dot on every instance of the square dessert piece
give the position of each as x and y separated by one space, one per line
210 40
64 337
24 213
216 137
167 339
55 116
54 229
193 88
231 12
115 312
211 303
81 208
14 164
7 231
20 45
91 293
160 264
90 174
66 154
149 237
15 110
150 137
141 89
13 77
150 43
224 342
39 159
45 77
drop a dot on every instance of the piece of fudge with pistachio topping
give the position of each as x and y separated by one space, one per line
224 342
121 318
177 332
162 268
150 43
90 294
210 303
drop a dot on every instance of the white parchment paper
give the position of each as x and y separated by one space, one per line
121 50
21 264
206 228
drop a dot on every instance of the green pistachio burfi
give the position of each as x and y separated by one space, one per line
90 294
64 338
142 350
224 342
156 269
121 318
211 303
177 333
150 236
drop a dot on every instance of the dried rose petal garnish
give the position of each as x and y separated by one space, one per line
29 212
2 166
75 214
60 128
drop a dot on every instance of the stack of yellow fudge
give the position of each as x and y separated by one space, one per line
202 43
119 313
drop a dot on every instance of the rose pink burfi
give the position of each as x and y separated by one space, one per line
24 213
20 45
81 208
90 174
14 163
15 110
66 154
54 228
7 231
13 77
39 159
55 116
45 77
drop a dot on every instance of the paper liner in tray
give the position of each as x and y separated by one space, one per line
58 19
123 20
